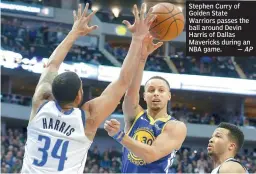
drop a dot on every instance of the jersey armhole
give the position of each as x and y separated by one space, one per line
42 106
31 118
164 126
135 120
171 119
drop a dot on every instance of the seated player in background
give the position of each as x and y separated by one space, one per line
59 132
151 137
223 146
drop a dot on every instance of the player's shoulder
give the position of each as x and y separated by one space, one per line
175 131
175 126
37 106
231 167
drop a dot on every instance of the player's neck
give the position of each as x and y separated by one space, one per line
218 160
157 114
67 107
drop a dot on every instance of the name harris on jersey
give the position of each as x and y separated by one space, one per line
57 125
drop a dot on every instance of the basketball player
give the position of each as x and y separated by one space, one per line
151 137
59 133
223 146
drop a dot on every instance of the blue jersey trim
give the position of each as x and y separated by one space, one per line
65 112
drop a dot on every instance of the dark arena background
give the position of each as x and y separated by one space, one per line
205 90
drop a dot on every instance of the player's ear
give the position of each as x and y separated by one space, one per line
232 146
144 96
79 96
170 95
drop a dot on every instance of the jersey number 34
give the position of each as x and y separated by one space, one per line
62 157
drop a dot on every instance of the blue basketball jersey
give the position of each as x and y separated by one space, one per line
145 129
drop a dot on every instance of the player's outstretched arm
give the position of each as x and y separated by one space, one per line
80 27
172 137
131 107
231 167
101 107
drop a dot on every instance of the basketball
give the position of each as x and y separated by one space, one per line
169 22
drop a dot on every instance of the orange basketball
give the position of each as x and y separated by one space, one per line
169 22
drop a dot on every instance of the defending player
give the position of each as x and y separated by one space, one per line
151 137
223 146
59 133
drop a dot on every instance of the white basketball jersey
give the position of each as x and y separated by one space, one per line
56 142
216 170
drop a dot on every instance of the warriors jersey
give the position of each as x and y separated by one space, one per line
216 170
56 142
145 129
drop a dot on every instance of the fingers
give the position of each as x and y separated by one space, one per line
157 45
91 15
85 10
150 19
94 27
148 15
74 15
107 127
142 11
150 11
110 124
127 23
115 122
79 12
136 12
151 39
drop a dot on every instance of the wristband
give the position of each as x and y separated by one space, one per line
119 136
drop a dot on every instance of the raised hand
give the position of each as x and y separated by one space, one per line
112 127
81 21
142 22
148 46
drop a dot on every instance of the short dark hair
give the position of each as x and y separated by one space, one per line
158 77
235 134
65 87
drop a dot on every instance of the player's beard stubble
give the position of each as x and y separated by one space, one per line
155 106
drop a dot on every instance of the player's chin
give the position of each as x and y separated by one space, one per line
155 108
210 152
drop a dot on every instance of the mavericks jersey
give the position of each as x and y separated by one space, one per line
216 170
56 142
145 129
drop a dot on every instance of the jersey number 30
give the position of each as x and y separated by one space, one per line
47 141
